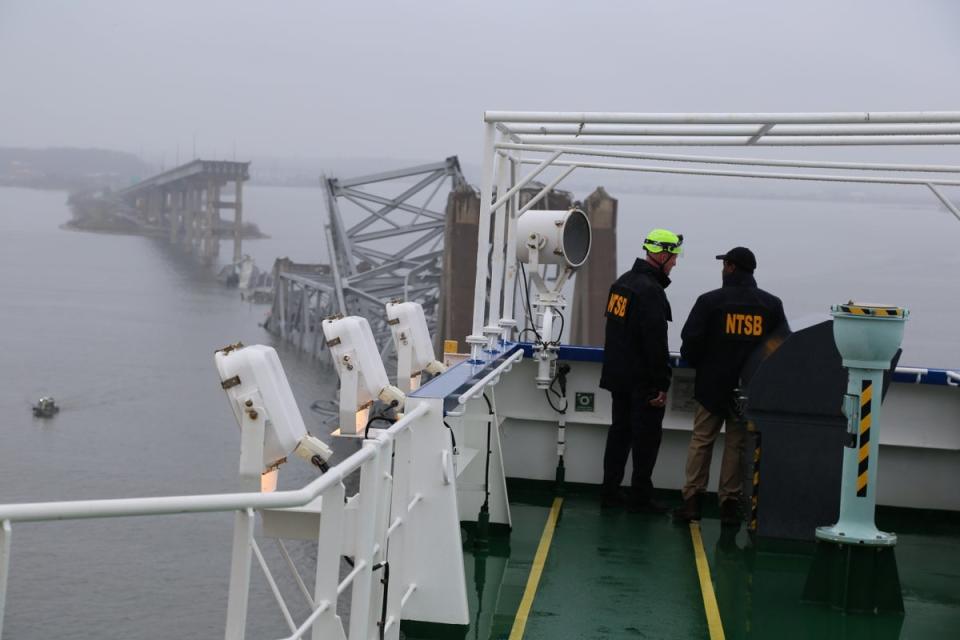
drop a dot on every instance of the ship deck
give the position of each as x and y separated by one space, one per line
571 570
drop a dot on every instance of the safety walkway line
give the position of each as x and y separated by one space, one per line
533 580
714 623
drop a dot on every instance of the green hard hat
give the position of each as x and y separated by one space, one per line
663 240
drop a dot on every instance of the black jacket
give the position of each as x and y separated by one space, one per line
724 327
635 355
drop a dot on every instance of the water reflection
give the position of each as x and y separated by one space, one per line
758 593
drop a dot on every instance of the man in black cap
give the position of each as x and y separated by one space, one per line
724 327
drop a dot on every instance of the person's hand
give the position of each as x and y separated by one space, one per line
660 400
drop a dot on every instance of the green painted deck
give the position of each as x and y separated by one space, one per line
613 574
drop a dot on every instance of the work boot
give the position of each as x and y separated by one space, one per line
690 511
730 512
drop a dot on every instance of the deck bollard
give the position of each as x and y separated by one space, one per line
854 568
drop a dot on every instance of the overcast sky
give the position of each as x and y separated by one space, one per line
411 79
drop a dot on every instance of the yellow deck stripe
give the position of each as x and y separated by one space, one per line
706 585
533 580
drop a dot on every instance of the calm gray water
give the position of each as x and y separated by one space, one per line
121 330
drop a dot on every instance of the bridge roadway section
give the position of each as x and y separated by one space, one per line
186 201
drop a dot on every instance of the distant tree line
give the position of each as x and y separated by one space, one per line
70 169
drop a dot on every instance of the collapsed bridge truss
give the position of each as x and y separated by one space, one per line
384 241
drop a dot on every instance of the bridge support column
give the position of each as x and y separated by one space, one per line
195 218
595 276
459 248
238 222
188 214
173 218
210 247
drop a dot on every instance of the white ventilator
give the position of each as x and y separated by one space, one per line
271 425
411 337
561 238
363 378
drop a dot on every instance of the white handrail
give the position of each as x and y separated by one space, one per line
836 117
732 173
759 162
123 507
476 388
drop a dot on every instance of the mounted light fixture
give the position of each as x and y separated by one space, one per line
554 237
561 238
271 427
363 378
411 337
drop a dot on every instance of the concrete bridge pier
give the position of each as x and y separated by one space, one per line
238 221
210 243
190 214
175 212
184 204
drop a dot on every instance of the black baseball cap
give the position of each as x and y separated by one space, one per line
742 257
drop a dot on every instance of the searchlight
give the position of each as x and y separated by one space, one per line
545 237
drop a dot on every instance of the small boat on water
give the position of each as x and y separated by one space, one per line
46 407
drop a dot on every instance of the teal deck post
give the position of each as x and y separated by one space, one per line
854 568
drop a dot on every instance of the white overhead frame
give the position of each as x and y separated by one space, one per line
575 140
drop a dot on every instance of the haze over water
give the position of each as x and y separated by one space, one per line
122 329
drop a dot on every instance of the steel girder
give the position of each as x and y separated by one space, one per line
385 240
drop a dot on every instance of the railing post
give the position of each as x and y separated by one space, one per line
396 547
304 309
329 550
362 594
384 488
5 534
239 595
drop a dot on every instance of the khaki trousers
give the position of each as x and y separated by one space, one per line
706 428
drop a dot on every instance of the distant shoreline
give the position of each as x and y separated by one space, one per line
73 225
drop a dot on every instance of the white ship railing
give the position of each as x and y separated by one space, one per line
588 140
376 498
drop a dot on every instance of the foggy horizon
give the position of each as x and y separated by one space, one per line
302 80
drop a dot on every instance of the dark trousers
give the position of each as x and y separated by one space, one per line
637 428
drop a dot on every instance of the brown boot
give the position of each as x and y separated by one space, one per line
690 511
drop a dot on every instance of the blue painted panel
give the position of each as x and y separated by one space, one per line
460 377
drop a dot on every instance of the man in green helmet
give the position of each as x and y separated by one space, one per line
636 370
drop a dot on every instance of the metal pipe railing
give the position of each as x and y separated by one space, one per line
758 162
485 380
168 505
835 117
730 173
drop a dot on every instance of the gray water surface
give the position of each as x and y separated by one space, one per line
122 330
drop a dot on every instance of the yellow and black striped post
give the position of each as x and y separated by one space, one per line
867 337
755 489
863 451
